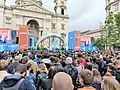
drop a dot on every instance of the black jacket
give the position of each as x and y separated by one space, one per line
118 75
72 71
46 84
59 67
11 67
39 79
11 80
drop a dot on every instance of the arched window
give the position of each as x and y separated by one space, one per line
33 27
62 11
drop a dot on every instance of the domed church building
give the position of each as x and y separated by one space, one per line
40 21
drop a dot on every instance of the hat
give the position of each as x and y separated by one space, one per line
17 58
46 61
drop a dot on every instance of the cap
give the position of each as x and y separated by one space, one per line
17 58
46 61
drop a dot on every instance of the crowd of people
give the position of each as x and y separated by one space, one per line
66 70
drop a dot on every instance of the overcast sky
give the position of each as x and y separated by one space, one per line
84 14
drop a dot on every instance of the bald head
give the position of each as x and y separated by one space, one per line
68 60
62 81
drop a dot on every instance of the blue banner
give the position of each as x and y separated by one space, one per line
88 48
55 43
13 37
71 41
11 47
33 42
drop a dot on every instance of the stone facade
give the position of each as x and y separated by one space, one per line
112 6
97 33
39 20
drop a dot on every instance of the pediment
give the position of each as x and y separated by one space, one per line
33 7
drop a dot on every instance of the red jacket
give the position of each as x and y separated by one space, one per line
82 61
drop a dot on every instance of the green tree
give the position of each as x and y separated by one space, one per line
100 42
117 23
110 29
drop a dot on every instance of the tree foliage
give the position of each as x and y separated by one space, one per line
100 42
112 28
117 23
109 27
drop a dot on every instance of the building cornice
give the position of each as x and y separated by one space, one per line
6 7
60 16
46 11
93 31
51 13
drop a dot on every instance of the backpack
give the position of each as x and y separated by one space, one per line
102 64
13 66
16 87
72 71
39 78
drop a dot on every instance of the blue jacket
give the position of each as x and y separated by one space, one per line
37 61
11 80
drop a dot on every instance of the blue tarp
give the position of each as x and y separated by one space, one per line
11 47
88 48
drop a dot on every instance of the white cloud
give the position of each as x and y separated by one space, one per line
84 14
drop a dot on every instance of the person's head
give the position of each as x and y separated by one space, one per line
16 59
38 56
52 71
43 68
62 81
110 83
95 67
96 74
52 58
25 59
21 69
57 60
68 60
79 54
117 63
45 55
86 77
33 65
118 57
94 60
3 64
111 69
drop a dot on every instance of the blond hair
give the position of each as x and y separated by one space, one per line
43 68
33 65
111 83
96 75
